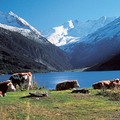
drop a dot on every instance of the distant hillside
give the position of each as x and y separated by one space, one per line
98 46
111 64
20 54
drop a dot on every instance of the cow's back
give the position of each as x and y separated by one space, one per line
65 85
97 85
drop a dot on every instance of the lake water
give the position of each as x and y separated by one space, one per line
85 79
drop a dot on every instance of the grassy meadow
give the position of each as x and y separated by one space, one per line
61 105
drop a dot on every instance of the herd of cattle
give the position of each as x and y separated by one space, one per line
110 84
21 79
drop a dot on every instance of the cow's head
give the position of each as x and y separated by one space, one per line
10 86
76 84
117 80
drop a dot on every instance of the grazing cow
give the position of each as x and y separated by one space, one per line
67 85
22 79
106 84
6 86
101 85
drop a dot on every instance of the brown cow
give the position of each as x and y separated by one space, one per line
101 85
6 86
67 85
106 84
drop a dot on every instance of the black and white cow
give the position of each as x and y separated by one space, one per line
22 79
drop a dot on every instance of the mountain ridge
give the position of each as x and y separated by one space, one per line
12 22
98 42
73 31
98 46
26 49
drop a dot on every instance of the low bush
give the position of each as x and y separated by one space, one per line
35 84
113 95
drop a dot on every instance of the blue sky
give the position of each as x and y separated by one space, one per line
44 14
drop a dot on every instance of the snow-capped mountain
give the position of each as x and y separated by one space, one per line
22 46
98 46
88 42
73 31
12 22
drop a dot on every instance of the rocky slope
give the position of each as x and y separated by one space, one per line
20 54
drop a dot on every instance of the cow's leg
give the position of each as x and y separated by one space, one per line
28 87
1 95
20 85
14 85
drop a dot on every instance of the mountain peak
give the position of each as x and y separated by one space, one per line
76 21
11 21
71 24
72 31
11 13
103 18
68 24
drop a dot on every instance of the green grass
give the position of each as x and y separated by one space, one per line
60 105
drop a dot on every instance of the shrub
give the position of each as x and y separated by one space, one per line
35 84
113 95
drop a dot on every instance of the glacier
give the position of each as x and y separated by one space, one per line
73 31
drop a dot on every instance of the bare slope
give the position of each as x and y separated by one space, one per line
18 54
